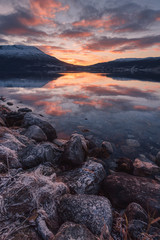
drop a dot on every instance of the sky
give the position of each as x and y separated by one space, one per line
83 32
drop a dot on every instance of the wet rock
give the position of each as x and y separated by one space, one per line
74 231
144 167
75 150
125 165
132 143
122 189
107 146
33 119
60 142
34 155
92 211
36 133
158 158
134 211
24 110
9 158
84 180
9 103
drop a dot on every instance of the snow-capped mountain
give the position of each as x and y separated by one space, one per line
20 58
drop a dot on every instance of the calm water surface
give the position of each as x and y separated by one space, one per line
93 104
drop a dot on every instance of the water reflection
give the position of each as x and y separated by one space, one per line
110 109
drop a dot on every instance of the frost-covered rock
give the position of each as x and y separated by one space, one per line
33 119
74 231
23 193
10 141
75 150
9 157
84 180
36 133
34 155
92 211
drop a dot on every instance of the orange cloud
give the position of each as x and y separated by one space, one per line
47 8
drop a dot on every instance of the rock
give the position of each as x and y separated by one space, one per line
84 180
143 167
74 231
9 158
122 189
43 230
132 143
10 141
134 211
107 147
14 118
60 142
158 158
2 123
24 110
36 133
125 165
3 168
33 119
9 103
34 155
26 192
93 211
75 150
138 230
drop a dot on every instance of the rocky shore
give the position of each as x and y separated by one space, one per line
55 189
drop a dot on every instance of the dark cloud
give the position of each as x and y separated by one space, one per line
103 43
75 33
19 23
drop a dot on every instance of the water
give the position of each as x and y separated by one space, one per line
93 104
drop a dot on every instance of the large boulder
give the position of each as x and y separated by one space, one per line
34 119
75 150
122 189
12 142
93 211
36 133
34 155
84 180
74 231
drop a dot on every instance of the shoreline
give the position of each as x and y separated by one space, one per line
55 189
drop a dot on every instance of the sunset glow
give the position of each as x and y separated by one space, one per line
83 32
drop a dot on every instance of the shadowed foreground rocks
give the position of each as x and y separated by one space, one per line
56 189
122 189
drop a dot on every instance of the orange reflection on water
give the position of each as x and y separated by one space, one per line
53 108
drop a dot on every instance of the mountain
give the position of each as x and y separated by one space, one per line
21 59
131 65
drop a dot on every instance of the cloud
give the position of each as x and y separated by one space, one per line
75 34
108 43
